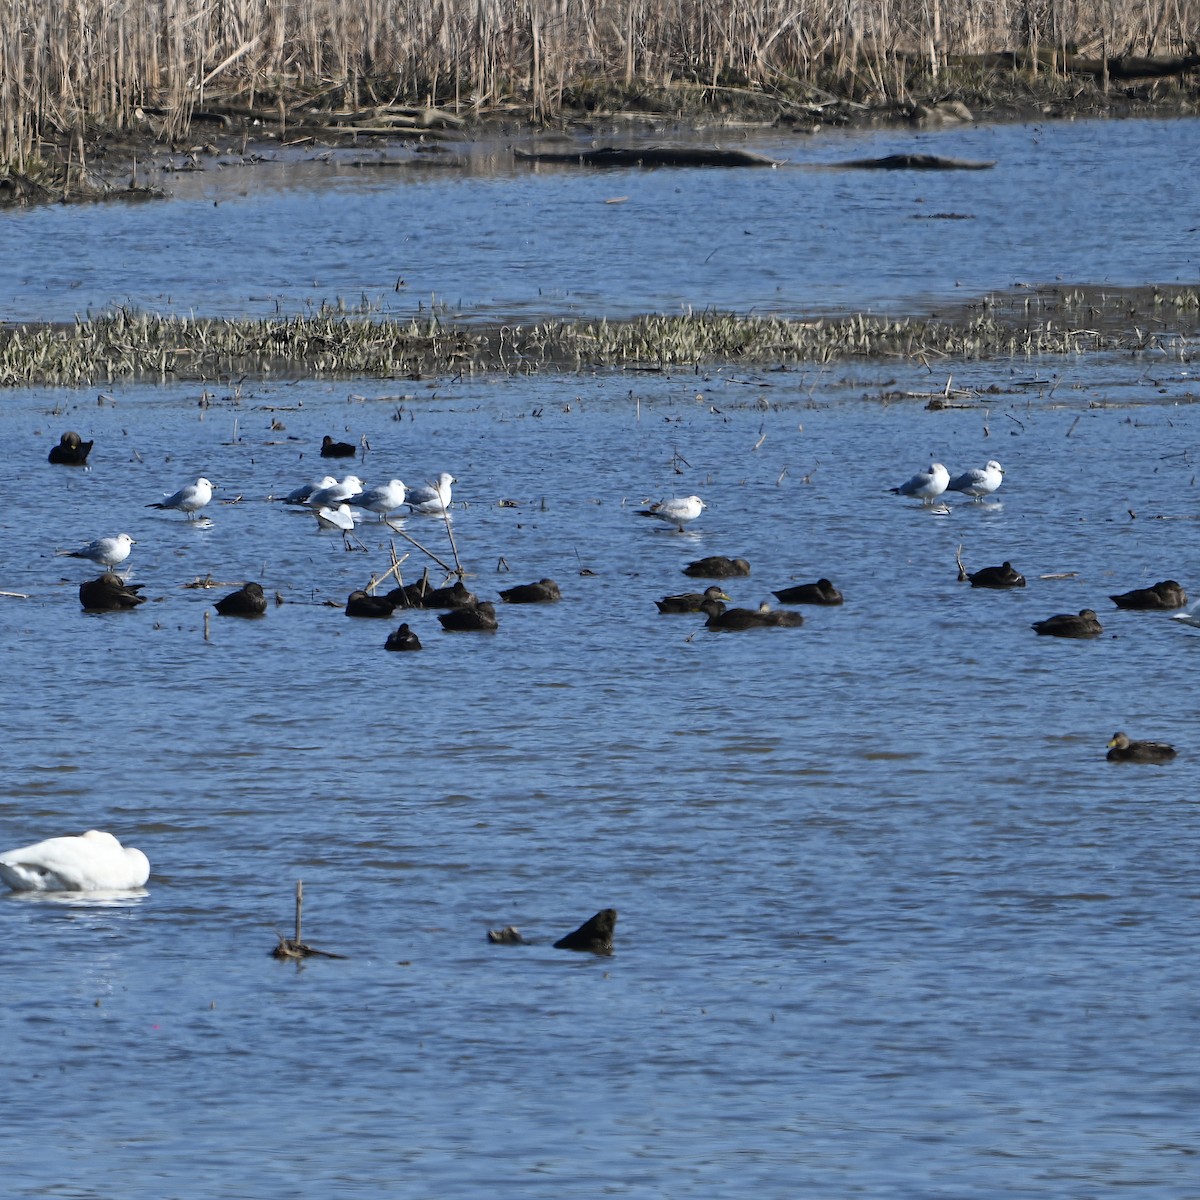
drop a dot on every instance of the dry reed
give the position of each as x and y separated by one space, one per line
156 64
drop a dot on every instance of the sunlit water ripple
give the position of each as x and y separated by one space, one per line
890 925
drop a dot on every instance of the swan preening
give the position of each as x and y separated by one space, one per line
92 862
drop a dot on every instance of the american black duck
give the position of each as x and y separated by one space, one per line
1165 594
717 566
821 592
689 602
71 451
1084 624
594 936
332 449
402 639
479 617
109 593
360 604
1121 749
545 591
247 601
1003 576
764 617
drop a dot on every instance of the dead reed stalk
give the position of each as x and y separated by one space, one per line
154 65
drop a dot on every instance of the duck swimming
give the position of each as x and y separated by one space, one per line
545 591
332 449
110 593
821 592
717 566
763 617
93 861
71 451
247 601
361 604
402 639
1121 749
689 602
1085 624
1165 594
1003 576
479 618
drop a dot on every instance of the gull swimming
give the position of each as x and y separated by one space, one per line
432 499
926 485
190 499
383 499
335 493
107 551
979 481
93 861
677 511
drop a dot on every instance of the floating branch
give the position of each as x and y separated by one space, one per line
294 947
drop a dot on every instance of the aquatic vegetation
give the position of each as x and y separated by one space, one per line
335 342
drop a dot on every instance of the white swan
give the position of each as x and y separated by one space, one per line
94 861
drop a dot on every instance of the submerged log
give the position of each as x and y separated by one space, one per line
916 162
652 156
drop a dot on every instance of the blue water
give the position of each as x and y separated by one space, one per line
890 925
1096 202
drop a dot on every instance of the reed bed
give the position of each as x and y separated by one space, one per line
141 346
64 68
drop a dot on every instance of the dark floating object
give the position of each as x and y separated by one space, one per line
720 617
594 936
1121 749
545 591
652 156
71 451
479 617
247 601
360 604
1163 595
690 602
821 592
1003 576
420 595
332 449
717 566
1084 624
402 639
510 935
110 593
916 162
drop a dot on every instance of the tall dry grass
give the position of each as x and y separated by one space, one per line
67 63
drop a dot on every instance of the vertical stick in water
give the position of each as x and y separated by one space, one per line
299 906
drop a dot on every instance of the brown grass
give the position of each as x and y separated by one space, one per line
67 66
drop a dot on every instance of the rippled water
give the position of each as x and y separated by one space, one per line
1097 202
890 925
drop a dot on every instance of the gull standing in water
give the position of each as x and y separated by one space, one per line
190 499
926 485
979 481
383 499
107 551
335 493
432 499
678 511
